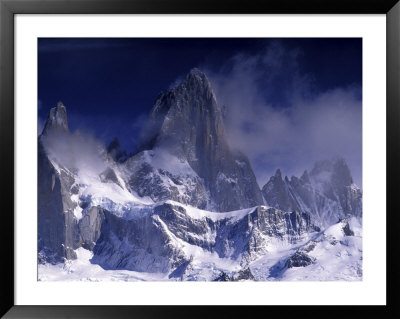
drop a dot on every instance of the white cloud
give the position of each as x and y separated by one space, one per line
76 150
312 125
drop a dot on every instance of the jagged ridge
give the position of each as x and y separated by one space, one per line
328 192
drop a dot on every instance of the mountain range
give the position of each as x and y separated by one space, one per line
187 206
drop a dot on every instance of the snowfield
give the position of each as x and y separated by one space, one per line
335 257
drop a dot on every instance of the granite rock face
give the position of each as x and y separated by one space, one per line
90 227
58 232
186 121
179 183
141 244
109 176
57 121
160 240
327 193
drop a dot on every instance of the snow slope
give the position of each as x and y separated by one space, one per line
335 257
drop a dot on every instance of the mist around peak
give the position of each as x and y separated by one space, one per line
279 116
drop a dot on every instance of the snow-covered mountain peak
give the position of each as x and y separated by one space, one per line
327 192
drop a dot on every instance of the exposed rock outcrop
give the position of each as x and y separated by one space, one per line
155 242
298 259
58 232
241 275
57 121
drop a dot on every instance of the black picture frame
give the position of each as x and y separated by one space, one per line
9 8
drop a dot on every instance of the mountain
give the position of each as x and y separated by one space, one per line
328 192
57 228
90 207
71 169
186 122
186 206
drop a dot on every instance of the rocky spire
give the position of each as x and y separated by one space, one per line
276 192
57 121
187 121
196 80
189 105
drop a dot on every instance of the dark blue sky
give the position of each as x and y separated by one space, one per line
109 85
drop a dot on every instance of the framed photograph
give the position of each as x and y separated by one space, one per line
174 154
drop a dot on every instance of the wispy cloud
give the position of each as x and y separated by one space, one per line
278 117
77 150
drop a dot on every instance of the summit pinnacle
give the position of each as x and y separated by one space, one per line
187 122
57 121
